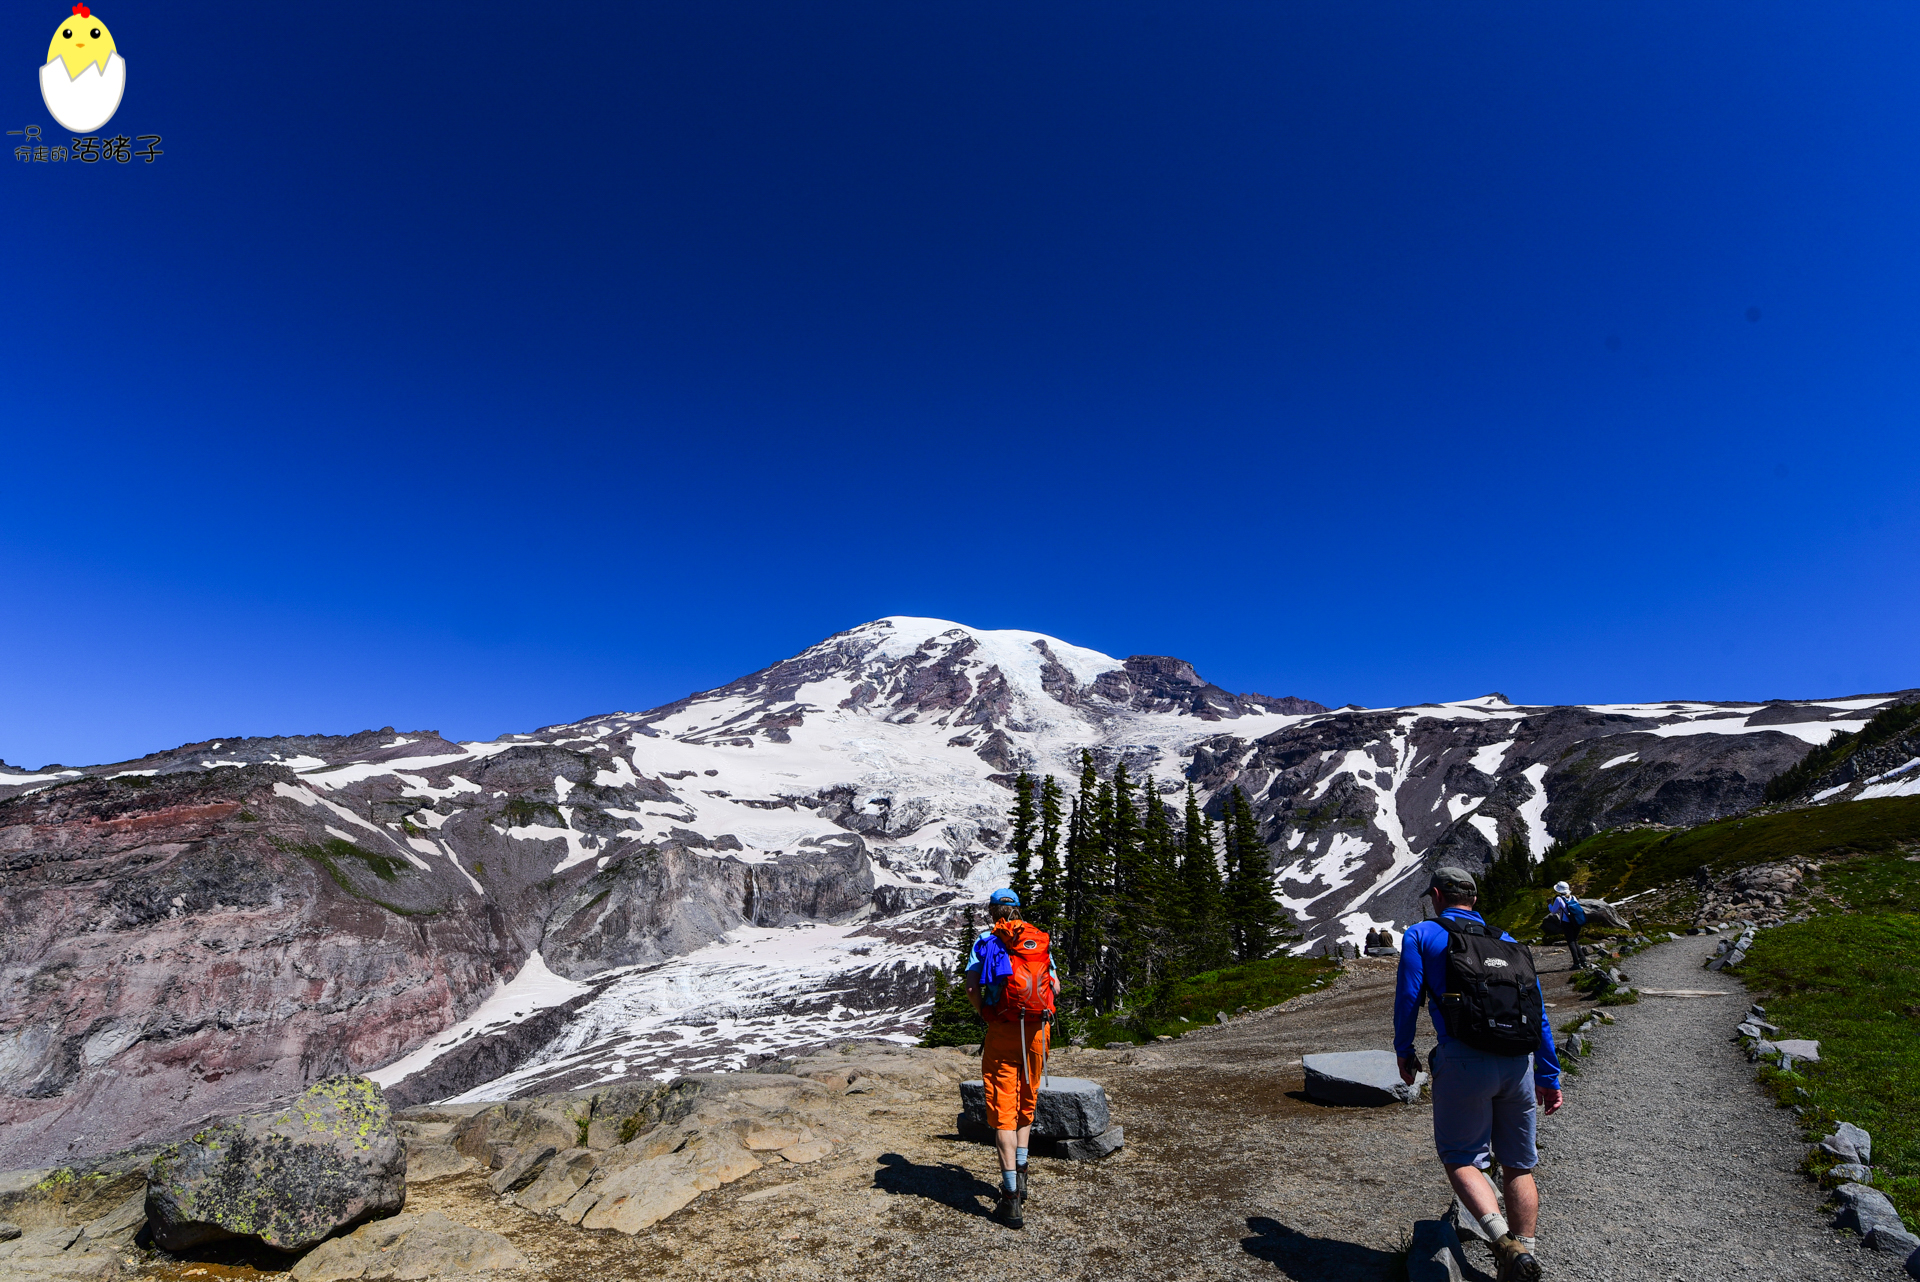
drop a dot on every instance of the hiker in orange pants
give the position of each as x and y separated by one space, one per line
1011 983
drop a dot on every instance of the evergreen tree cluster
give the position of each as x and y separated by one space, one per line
1134 892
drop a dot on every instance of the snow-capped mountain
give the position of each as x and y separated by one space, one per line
753 869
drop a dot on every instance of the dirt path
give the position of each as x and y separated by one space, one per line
1666 1163
1669 1163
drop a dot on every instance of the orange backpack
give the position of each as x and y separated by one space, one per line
1029 990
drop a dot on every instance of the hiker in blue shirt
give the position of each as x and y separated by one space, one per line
1484 1103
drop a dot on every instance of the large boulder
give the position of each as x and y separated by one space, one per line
289 1178
1065 1108
407 1247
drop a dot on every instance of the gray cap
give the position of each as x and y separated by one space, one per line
1457 880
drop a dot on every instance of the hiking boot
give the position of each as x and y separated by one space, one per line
1007 1211
1023 1185
1516 1262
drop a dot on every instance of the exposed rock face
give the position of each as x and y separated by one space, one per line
1357 805
290 1178
656 903
192 945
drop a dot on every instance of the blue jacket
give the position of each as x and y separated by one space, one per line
1423 950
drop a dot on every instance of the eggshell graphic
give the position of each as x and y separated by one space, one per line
86 101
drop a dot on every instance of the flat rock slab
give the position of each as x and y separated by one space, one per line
1067 1108
1358 1077
407 1247
1800 1048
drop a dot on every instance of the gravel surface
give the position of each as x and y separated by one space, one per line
1668 1162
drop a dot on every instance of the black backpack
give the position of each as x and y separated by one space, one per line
1492 998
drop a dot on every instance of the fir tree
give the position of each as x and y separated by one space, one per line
1254 916
1021 879
1204 904
952 1022
1048 889
1132 889
1162 910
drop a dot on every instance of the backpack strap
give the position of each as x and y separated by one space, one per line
1456 931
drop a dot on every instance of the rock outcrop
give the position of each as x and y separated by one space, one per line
408 1247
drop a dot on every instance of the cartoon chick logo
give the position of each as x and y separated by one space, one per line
84 76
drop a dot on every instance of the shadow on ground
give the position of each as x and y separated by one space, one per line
1319 1259
950 1185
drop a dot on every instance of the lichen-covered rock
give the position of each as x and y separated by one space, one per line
408 1247
290 1178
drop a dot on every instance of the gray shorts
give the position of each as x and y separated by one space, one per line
1483 1102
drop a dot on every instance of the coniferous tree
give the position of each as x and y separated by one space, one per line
1048 888
1162 911
952 1021
1101 986
1255 918
1131 899
1207 942
1021 844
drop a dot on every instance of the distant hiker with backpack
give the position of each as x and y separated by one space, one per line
1494 1064
1571 914
1012 983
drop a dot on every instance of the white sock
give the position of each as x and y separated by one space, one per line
1528 1243
1495 1225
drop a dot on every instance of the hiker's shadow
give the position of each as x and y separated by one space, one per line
1321 1259
947 1184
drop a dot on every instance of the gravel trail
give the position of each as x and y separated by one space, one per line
1668 1163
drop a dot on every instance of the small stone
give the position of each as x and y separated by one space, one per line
8 1232
774 1138
1854 1139
1749 1030
1737 956
1242 1010
1163 1037
1800 1048
1866 1211
807 1151
1119 1046
1220 1017
1850 1173
1898 1241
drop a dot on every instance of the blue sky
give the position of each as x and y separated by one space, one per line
486 367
